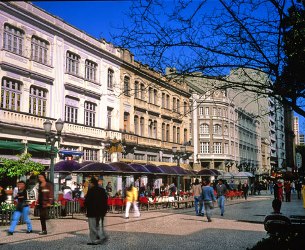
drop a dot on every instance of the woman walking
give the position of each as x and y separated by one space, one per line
131 198
22 209
45 200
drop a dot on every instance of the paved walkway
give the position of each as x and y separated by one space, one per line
239 228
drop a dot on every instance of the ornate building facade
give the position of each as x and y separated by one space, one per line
51 70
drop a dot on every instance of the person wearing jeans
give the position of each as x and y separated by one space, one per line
197 198
208 198
221 190
22 209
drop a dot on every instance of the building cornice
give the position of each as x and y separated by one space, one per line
26 73
83 91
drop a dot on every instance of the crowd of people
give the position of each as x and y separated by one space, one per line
205 194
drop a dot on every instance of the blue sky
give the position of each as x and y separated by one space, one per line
98 19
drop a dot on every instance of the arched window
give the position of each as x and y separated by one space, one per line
13 39
204 129
217 129
163 132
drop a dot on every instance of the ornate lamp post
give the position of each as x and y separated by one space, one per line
179 154
51 139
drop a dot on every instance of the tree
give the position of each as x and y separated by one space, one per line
16 168
213 37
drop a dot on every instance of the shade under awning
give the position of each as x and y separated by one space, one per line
139 168
154 169
97 167
122 167
67 166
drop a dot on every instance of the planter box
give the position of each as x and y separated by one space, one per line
5 217
53 212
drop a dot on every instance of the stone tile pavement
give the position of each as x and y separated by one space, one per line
239 228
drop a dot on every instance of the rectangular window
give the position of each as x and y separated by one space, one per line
200 110
217 148
71 110
139 156
163 100
207 111
136 125
174 104
109 117
178 135
38 101
72 63
204 147
126 86
10 94
110 79
163 132
90 154
39 50
136 90
167 101
90 114
13 39
142 126
142 92
151 158
70 114
90 70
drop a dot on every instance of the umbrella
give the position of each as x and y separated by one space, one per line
243 174
226 175
66 166
207 172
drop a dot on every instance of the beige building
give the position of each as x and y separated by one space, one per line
225 136
51 70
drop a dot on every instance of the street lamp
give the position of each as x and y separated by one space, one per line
179 154
51 139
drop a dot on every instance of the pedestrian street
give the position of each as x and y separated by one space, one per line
239 228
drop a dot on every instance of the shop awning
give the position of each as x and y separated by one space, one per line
154 169
13 145
206 172
97 167
139 168
168 170
180 170
122 167
67 166
39 147
71 152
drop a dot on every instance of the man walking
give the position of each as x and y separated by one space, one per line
221 190
96 204
208 199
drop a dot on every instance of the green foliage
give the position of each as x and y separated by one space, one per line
20 167
7 207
